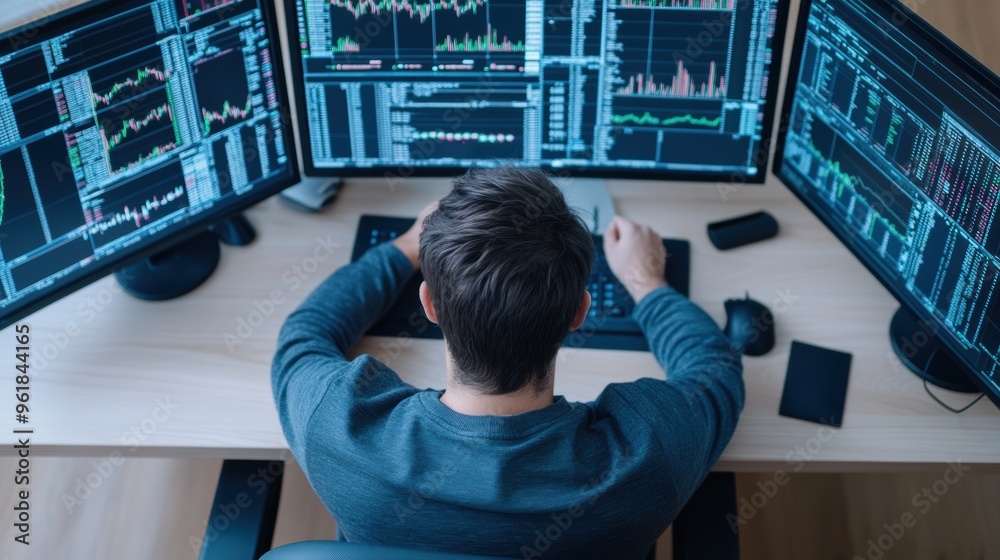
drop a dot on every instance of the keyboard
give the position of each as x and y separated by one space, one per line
608 324
406 317
611 305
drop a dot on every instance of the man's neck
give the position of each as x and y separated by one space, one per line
467 400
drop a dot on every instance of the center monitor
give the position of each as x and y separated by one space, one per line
667 89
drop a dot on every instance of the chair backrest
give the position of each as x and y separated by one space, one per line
339 550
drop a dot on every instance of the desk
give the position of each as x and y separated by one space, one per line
191 377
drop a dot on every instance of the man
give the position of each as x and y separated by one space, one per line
495 464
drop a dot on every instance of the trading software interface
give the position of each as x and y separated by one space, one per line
676 85
126 127
898 149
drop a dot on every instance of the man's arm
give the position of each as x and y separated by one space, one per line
698 360
316 337
695 409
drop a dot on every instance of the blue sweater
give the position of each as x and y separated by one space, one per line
574 480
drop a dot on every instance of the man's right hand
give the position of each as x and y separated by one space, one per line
409 242
636 255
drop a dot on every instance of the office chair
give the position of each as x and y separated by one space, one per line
241 524
338 550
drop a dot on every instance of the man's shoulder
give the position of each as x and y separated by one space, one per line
365 378
357 403
636 396
655 407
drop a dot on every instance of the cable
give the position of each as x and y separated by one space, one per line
955 410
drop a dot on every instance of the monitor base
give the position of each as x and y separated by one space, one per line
590 199
924 354
313 193
173 272
236 231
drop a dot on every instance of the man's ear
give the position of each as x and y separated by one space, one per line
425 300
581 313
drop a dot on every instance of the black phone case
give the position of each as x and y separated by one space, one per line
742 230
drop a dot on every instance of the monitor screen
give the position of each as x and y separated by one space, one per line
650 88
891 135
126 125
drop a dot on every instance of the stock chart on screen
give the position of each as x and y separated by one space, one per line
656 85
897 147
125 124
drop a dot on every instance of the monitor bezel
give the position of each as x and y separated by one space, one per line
762 155
54 25
966 63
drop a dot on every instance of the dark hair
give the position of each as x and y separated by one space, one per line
507 264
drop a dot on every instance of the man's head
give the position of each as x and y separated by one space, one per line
506 264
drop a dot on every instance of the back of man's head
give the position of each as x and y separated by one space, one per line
507 264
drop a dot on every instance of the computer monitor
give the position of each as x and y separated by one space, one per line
891 135
663 89
127 126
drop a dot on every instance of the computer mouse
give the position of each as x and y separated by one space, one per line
750 325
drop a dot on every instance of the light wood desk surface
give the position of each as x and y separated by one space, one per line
159 379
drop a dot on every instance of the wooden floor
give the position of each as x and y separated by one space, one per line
149 509
141 509
832 516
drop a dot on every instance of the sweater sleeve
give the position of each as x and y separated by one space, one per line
316 337
693 410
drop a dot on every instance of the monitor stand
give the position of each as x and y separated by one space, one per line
175 271
920 350
236 231
590 199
